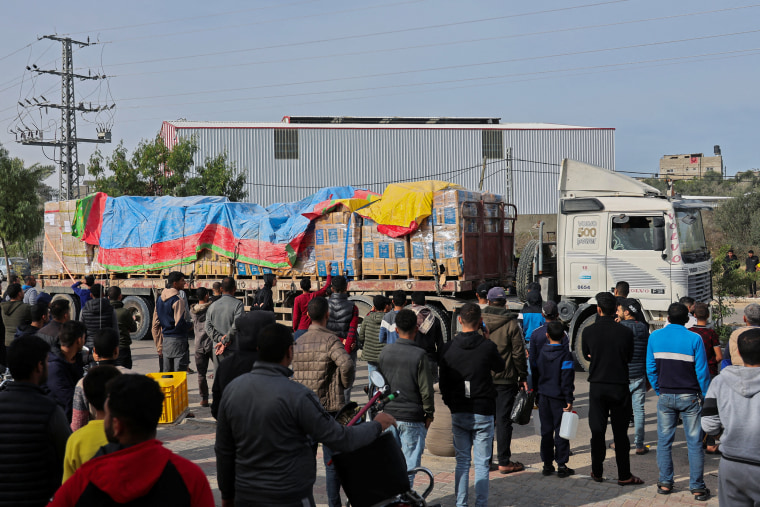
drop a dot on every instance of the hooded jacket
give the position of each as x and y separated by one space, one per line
556 372
322 364
33 434
97 314
531 314
164 478
178 312
127 324
198 314
230 368
62 379
465 374
733 403
429 334
637 368
14 314
505 332
369 337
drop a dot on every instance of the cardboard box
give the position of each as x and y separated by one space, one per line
378 266
400 249
384 250
421 267
453 266
368 250
402 267
391 267
367 266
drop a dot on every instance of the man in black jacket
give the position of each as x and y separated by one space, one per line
468 390
609 347
242 360
31 472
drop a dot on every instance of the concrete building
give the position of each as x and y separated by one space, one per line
288 160
690 166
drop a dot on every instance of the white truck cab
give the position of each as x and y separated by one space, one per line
612 228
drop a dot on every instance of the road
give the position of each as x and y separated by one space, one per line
194 439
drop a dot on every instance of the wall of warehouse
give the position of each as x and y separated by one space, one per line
374 157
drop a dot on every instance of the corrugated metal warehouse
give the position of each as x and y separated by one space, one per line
287 161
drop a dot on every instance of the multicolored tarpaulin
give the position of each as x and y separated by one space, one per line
404 206
148 233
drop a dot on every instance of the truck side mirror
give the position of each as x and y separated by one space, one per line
659 234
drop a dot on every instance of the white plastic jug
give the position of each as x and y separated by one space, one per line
569 426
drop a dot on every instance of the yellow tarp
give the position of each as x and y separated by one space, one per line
404 203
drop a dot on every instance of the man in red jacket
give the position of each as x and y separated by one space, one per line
301 320
133 408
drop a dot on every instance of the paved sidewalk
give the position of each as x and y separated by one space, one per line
194 439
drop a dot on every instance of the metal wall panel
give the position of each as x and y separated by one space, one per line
373 157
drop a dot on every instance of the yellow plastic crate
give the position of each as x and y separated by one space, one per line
174 386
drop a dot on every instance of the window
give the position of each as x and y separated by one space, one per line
285 143
632 233
493 144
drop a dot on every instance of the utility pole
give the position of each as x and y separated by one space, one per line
509 179
68 177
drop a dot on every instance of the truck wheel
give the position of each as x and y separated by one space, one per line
525 269
141 310
578 345
73 303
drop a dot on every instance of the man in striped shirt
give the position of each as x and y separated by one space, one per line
677 369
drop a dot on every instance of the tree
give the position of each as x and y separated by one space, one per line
154 169
20 203
728 281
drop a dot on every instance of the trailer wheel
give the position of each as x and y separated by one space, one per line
578 344
73 303
140 308
525 269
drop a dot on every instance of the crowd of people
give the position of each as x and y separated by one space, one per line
276 391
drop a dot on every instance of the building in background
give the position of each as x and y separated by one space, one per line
691 166
288 160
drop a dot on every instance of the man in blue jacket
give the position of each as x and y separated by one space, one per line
677 369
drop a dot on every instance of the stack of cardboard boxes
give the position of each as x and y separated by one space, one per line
61 248
337 240
383 255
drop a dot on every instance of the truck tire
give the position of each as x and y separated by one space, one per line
73 300
525 269
141 310
578 345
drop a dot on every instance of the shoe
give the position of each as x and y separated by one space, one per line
204 403
511 467
642 451
548 470
664 488
563 471
702 494
597 479
190 371
493 467
633 481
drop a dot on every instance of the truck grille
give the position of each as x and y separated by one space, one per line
700 287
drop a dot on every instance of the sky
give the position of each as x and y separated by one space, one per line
671 76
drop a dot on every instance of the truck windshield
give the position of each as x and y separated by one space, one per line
692 236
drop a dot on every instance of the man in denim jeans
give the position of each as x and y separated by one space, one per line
677 369
467 389
406 368
627 312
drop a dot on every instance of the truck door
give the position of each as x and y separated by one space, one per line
634 255
585 255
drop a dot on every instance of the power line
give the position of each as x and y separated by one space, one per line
446 81
16 51
266 22
191 18
438 44
446 67
367 35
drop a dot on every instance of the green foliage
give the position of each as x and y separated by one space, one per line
712 183
728 281
739 218
153 169
20 203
